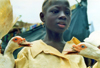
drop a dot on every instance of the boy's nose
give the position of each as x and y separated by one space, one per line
62 16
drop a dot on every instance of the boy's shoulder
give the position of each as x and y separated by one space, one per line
36 48
38 43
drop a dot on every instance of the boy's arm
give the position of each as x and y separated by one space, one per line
22 59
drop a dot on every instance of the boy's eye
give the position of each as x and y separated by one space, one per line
55 11
67 13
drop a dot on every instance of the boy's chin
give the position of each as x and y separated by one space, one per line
60 31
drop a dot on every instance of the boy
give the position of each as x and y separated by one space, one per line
48 53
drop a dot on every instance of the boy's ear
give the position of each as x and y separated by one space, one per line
42 16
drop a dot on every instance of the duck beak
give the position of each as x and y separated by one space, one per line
25 44
70 51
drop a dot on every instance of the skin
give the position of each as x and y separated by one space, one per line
56 19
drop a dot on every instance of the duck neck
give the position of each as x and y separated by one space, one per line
9 51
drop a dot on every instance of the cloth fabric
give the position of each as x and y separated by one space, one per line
41 55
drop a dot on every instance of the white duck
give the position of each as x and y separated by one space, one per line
94 38
87 50
90 48
7 60
7 18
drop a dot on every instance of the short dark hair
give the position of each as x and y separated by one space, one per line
47 3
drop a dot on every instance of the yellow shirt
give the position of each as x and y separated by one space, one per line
41 55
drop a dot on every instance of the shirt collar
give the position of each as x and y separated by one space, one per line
51 50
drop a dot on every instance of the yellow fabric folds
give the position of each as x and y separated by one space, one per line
41 55
7 18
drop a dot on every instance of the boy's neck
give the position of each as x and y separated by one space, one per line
54 37
55 40
58 45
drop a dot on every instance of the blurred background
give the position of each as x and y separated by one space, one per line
84 20
29 10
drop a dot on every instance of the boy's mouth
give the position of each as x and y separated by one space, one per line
61 25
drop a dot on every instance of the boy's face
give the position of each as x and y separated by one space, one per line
57 16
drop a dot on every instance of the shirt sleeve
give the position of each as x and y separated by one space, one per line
22 59
81 63
97 65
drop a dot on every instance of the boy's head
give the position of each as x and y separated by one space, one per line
48 3
56 15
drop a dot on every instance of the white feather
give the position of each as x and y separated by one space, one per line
7 60
90 52
94 38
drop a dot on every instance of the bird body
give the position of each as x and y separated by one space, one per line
7 60
94 38
90 48
87 50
